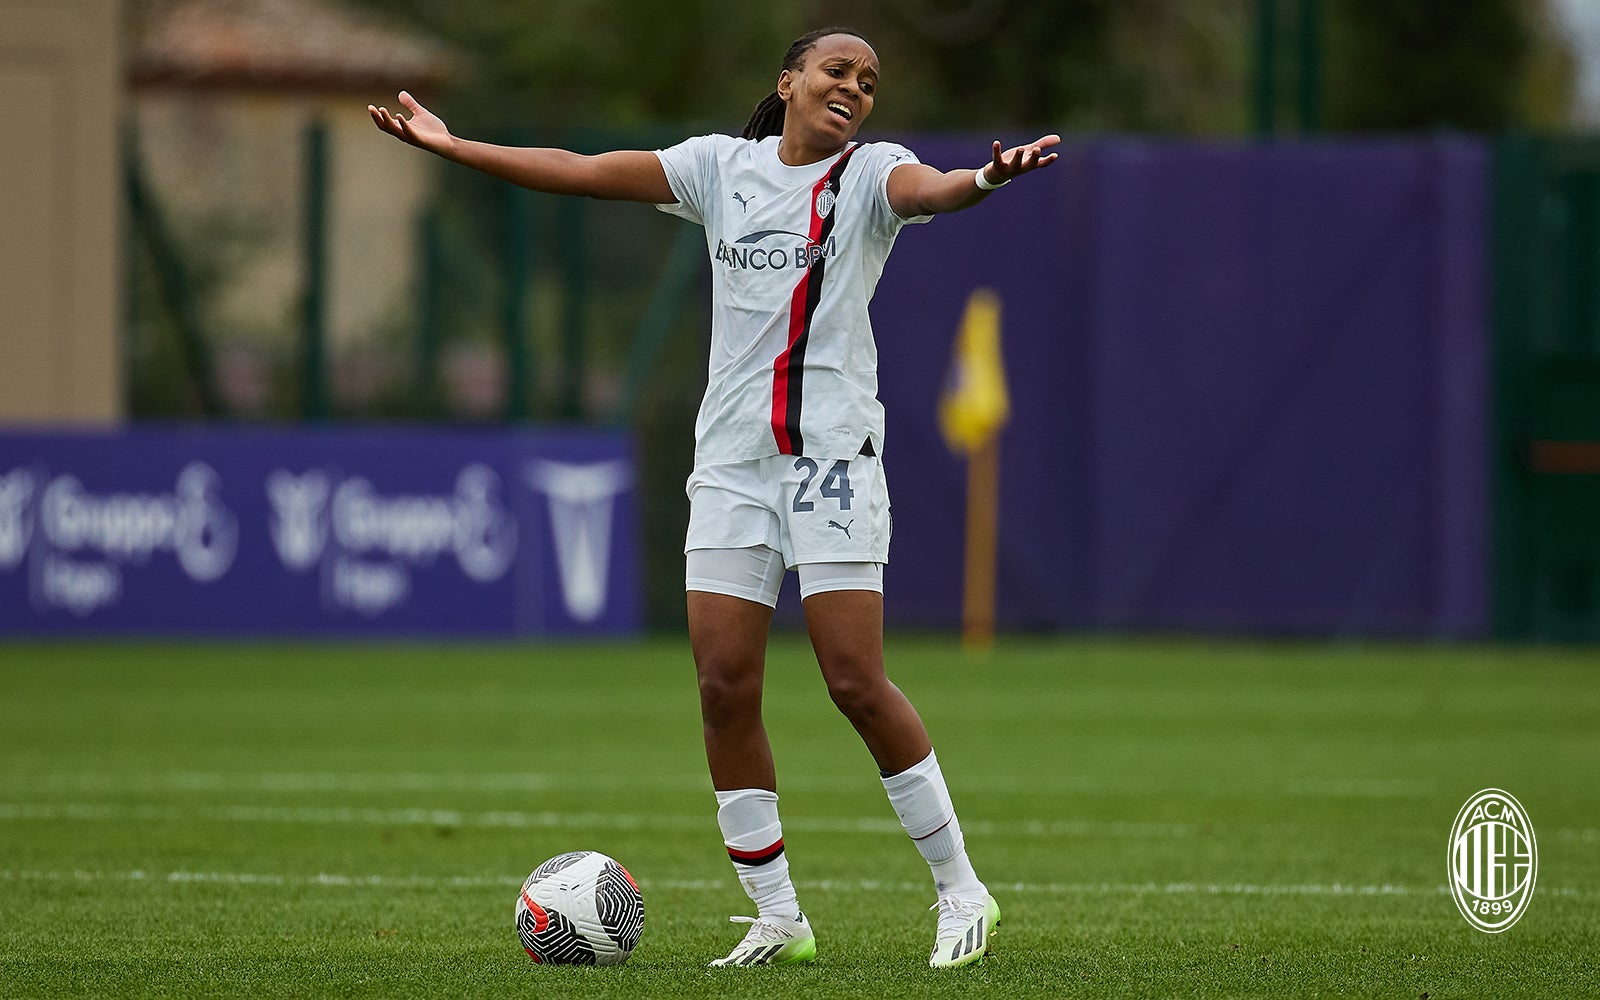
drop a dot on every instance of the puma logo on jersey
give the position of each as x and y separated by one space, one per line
843 527
744 202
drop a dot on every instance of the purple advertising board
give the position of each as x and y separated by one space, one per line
313 531
1248 383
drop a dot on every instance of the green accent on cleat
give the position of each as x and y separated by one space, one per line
772 941
967 929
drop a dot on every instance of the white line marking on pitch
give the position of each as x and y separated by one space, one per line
427 882
597 821
327 781
548 820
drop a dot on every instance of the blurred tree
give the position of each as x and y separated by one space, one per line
947 63
1071 65
990 64
566 64
1417 64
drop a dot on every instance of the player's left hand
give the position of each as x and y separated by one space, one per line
1018 160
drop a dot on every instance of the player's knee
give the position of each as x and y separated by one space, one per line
859 694
729 697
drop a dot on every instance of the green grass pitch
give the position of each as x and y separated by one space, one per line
1158 817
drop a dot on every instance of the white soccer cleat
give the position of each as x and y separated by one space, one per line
772 941
967 925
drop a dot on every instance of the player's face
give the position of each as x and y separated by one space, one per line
831 93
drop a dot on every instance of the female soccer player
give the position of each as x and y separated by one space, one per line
799 219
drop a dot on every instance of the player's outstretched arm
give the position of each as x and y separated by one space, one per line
623 175
918 189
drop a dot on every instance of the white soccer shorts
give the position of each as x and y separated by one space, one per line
828 518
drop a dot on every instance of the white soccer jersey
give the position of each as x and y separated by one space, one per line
795 255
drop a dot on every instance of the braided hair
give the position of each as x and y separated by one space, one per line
767 119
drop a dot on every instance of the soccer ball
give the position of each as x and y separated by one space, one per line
580 908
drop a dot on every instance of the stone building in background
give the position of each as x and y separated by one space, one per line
59 287
224 95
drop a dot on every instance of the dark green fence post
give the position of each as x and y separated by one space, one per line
172 274
313 345
430 266
574 315
514 315
677 280
1547 388
1307 57
1310 91
1266 95
1515 239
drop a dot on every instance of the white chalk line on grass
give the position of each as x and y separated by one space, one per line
549 820
428 882
319 781
597 821
325 781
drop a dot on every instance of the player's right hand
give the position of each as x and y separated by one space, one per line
423 129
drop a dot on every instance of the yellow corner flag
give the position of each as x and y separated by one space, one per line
972 410
975 404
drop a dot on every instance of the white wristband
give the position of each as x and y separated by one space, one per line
982 180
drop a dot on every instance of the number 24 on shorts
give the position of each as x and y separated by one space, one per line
835 485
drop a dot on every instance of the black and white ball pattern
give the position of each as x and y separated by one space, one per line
580 908
620 906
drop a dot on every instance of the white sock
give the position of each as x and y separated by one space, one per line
922 802
754 838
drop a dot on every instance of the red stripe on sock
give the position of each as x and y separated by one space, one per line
759 857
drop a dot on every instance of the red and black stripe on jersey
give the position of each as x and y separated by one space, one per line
788 370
